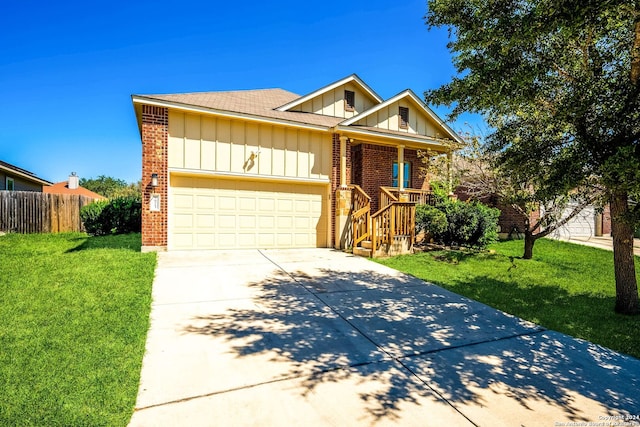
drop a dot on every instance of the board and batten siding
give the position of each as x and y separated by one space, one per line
388 118
199 142
331 103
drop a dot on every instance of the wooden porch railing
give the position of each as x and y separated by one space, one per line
421 197
394 220
361 216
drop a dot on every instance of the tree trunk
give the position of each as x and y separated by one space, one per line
623 260
529 241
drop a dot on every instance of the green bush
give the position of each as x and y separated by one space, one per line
91 216
431 220
459 223
117 216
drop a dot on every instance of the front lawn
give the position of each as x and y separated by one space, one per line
74 312
566 287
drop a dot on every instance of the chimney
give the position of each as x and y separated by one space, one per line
73 181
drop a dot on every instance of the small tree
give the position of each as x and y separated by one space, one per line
480 174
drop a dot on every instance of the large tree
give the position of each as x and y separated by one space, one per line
559 81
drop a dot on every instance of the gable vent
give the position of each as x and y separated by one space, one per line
349 100
404 117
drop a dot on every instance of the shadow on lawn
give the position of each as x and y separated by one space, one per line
131 242
335 326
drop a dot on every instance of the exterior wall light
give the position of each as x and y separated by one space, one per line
154 179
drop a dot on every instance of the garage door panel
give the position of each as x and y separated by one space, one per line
184 201
205 202
183 220
266 205
227 203
227 221
284 205
208 213
206 220
247 222
247 203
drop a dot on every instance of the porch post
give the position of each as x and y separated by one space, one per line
450 172
343 234
343 161
400 168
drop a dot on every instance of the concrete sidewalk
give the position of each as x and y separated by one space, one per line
319 337
602 242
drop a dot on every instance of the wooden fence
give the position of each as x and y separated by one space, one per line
33 212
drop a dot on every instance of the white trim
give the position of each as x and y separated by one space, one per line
253 176
441 142
404 94
137 99
351 78
25 176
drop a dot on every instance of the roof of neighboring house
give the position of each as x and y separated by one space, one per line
63 188
22 173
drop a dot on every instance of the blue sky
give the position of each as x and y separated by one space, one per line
68 69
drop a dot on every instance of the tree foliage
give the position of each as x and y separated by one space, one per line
559 81
110 187
480 175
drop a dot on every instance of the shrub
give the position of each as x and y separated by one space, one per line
117 216
462 223
91 216
431 220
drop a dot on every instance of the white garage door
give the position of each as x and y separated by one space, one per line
582 225
220 213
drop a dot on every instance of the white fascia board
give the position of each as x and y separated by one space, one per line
351 78
397 139
229 114
23 175
408 93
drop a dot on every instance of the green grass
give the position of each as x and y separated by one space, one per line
566 287
74 312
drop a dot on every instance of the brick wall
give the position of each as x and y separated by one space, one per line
373 168
155 131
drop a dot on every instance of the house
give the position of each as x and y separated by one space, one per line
72 186
272 169
13 178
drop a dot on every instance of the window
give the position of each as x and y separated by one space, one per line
406 181
349 100
404 117
10 184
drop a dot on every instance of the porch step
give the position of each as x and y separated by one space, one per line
360 251
367 244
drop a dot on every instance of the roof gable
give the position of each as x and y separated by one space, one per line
422 120
330 100
22 173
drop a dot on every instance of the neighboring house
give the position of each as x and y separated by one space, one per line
13 178
588 223
272 169
72 186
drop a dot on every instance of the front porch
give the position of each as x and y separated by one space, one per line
380 183
391 229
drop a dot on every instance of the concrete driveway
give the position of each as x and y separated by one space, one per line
319 337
